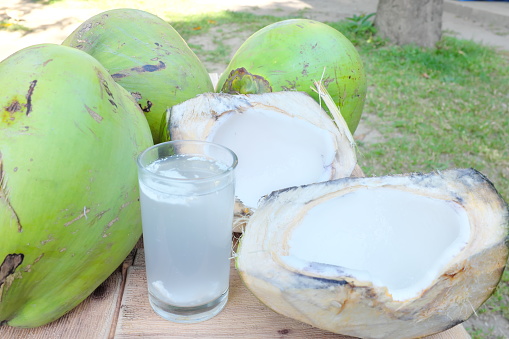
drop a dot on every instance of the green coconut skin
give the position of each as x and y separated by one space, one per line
290 55
145 55
69 209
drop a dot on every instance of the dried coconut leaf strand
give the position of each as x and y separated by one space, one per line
336 113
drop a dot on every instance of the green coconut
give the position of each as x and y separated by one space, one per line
146 56
69 210
290 55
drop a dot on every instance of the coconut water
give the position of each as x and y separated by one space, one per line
187 211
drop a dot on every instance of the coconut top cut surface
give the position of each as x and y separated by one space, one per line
262 138
383 257
282 139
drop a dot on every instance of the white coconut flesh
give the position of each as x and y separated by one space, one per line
281 139
275 151
390 237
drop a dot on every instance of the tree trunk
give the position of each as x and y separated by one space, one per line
410 21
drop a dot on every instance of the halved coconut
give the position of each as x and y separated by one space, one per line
282 139
390 257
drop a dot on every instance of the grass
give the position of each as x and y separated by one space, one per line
434 108
8 25
483 334
438 109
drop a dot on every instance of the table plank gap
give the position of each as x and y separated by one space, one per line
128 262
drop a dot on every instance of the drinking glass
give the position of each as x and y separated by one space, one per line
187 200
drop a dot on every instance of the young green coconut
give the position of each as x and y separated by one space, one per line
145 55
390 257
69 201
282 139
290 55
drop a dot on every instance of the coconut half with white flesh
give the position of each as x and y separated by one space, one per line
281 139
383 257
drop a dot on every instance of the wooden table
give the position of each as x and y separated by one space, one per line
119 308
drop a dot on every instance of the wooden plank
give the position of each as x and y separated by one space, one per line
457 332
91 319
243 315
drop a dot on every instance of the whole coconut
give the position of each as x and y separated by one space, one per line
290 55
69 210
146 56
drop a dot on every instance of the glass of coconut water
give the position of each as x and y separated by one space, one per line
187 201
